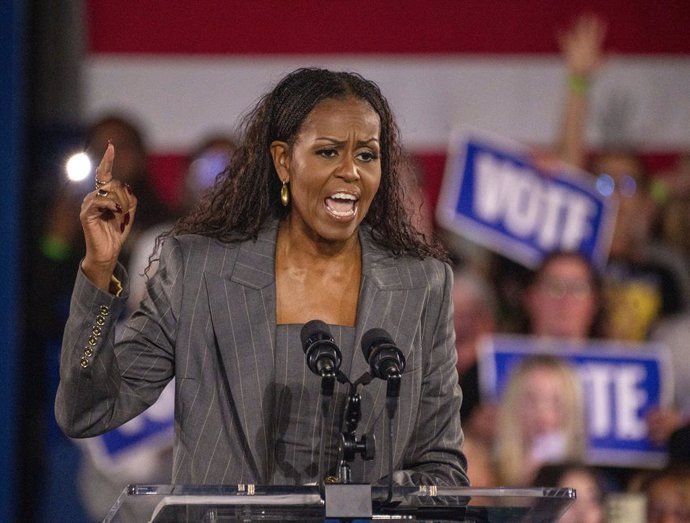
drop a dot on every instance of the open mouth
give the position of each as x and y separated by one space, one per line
342 205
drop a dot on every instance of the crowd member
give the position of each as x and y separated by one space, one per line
206 161
311 201
644 280
474 316
131 167
51 461
674 333
540 420
672 190
562 298
61 245
589 506
668 495
679 446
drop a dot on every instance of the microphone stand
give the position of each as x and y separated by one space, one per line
350 445
343 499
328 379
392 395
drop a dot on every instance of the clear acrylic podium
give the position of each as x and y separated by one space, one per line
246 503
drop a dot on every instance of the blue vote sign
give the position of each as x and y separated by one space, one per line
152 430
621 383
495 194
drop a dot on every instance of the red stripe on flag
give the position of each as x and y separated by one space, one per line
376 26
166 172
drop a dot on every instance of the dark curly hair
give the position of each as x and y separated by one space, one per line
247 193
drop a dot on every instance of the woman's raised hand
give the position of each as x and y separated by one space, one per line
582 45
107 215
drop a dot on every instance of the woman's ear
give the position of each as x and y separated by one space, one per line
280 154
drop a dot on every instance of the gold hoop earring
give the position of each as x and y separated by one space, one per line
284 195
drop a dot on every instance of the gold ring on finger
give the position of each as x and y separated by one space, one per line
102 192
100 183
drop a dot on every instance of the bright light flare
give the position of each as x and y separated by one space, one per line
78 167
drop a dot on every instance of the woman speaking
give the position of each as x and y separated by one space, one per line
307 222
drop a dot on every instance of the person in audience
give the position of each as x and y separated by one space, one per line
540 420
474 317
58 248
674 333
679 445
668 495
644 280
209 158
672 190
562 298
560 301
589 506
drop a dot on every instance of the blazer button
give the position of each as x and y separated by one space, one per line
84 362
104 310
100 320
88 351
96 330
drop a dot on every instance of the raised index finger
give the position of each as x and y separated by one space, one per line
104 171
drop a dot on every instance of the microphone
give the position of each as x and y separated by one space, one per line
323 355
386 361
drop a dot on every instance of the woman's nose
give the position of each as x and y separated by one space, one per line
348 170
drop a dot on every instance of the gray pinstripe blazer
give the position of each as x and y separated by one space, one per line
209 321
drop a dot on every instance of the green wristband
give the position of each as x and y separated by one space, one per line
578 83
658 190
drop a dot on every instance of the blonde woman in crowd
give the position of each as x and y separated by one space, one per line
540 420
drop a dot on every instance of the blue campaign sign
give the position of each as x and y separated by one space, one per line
496 195
621 382
151 430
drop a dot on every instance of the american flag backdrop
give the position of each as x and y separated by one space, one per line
185 69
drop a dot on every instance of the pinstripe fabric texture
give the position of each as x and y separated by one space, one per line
300 423
209 320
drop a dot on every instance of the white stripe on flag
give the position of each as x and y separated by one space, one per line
179 99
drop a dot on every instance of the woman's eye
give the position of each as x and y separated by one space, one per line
368 156
327 153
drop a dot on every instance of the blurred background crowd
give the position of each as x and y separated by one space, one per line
77 98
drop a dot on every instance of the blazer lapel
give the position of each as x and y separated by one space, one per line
391 300
243 314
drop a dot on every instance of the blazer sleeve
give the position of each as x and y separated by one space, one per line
435 455
103 382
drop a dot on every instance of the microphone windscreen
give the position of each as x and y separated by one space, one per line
315 329
372 338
